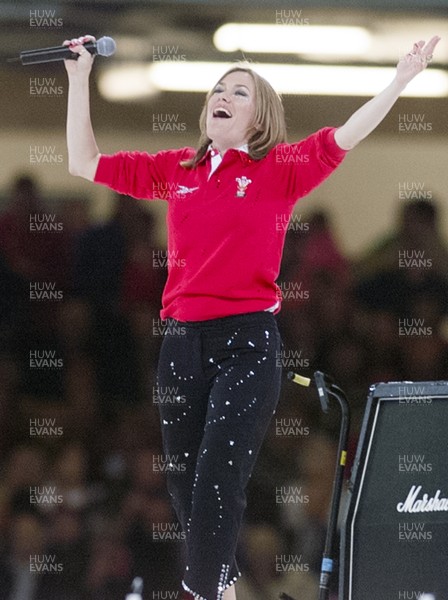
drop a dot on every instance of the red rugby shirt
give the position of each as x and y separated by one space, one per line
226 233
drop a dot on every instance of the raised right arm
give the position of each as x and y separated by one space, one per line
83 153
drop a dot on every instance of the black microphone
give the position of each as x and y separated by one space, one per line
105 46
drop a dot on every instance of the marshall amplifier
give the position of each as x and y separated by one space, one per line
394 538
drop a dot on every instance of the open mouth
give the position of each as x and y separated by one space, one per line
221 113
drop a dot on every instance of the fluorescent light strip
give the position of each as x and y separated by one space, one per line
299 79
292 39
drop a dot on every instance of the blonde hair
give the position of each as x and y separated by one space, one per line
269 127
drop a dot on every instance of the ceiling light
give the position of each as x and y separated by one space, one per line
292 39
327 80
126 82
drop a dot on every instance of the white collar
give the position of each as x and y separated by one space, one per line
216 157
242 148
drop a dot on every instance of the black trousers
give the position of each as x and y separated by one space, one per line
219 384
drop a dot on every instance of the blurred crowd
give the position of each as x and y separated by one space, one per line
83 506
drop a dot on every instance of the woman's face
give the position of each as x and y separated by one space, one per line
231 111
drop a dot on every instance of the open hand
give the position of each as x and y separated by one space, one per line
417 60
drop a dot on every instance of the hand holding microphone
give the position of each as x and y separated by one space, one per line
71 51
85 59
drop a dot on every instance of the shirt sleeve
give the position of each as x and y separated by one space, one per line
138 174
306 164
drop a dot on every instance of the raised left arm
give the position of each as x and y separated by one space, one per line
366 118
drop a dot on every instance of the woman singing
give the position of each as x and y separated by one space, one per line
221 355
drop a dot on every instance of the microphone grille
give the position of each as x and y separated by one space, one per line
106 46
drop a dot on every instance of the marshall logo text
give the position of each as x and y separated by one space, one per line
414 504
